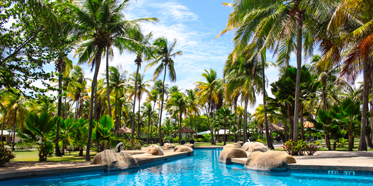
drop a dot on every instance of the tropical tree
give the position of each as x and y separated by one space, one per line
207 93
178 103
227 117
41 126
164 55
100 27
192 106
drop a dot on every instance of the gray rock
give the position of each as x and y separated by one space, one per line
183 148
167 146
254 146
155 150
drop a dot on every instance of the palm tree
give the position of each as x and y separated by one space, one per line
100 27
192 106
143 50
227 116
117 83
163 55
207 93
142 87
178 104
76 87
148 110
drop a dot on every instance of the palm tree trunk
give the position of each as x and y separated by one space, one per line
269 139
327 140
134 105
180 126
225 133
290 123
59 107
2 126
350 140
362 143
235 117
138 121
299 68
245 119
107 80
301 121
93 102
324 97
64 109
239 127
160 115
14 129
148 131
76 108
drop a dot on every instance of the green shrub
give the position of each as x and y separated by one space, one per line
21 145
169 138
299 147
127 145
5 155
206 137
175 140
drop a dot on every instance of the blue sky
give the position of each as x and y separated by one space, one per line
195 24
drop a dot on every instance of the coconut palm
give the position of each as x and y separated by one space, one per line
208 95
100 27
192 106
178 104
142 88
164 55
227 117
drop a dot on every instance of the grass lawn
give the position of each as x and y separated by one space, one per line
341 148
32 155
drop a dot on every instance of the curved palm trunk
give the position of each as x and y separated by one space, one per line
2 126
245 119
93 102
269 139
14 128
107 80
362 143
59 107
160 115
299 68
134 105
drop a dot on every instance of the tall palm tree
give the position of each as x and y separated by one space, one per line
141 49
192 106
178 104
163 55
208 94
117 83
76 86
101 25
142 87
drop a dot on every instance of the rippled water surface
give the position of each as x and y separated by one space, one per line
200 169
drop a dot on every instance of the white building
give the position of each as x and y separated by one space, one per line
8 137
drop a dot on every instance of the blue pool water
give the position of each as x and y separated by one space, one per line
200 169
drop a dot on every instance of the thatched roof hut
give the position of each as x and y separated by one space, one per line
186 129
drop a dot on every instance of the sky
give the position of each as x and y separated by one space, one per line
194 24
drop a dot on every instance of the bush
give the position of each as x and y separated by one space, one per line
21 145
5 155
169 138
298 148
127 145
175 140
206 137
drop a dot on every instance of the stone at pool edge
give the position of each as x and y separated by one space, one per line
167 146
229 152
254 146
155 150
113 160
183 148
269 161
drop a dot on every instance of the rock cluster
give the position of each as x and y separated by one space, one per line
155 150
114 160
271 160
233 145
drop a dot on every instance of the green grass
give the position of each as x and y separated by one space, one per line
32 155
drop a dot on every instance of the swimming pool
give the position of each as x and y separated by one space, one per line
200 169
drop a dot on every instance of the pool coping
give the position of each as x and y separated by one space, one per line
143 162
293 167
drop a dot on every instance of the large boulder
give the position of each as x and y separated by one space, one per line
227 154
270 160
190 145
233 145
167 146
254 146
113 160
183 148
154 150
